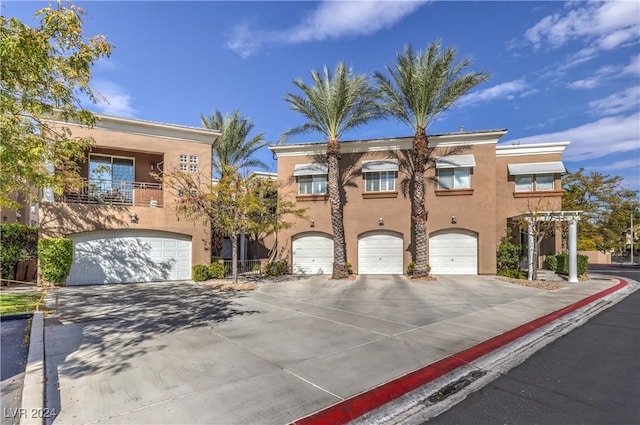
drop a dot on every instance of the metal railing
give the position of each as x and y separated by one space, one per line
245 267
91 191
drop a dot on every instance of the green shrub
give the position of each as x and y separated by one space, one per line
512 273
277 268
349 267
19 243
199 272
216 271
411 267
508 254
551 263
56 256
563 264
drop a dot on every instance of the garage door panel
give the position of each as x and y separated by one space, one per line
380 253
124 256
453 252
312 254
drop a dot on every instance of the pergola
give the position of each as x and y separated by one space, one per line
572 217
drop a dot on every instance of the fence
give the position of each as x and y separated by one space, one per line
245 267
92 191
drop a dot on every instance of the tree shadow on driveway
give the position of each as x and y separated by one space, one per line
100 329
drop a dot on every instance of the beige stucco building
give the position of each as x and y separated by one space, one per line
473 189
120 218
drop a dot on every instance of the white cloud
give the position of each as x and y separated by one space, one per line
634 66
330 20
116 101
606 73
508 90
626 164
626 100
604 25
588 83
596 139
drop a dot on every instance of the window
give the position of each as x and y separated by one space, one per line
530 183
193 163
454 178
312 185
111 178
188 163
544 182
524 183
380 181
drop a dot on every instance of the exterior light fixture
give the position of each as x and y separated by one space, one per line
312 224
453 219
134 218
381 221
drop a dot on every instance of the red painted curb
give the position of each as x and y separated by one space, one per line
356 406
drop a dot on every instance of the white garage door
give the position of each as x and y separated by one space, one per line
380 253
125 256
312 254
453 252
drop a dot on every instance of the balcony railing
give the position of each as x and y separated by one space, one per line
110 192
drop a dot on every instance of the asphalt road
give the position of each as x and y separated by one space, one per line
14 358
589 376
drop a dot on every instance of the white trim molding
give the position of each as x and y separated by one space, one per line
531 149
463 138
151 128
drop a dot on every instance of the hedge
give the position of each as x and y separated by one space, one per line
56 255
560 263
19 243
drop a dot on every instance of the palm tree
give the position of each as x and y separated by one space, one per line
332 105
234 151
422 86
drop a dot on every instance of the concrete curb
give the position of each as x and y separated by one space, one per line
33 409
404 398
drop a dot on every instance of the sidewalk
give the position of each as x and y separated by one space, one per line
179 353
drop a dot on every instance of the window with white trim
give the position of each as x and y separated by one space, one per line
188 163
380 181
534 183
312 185
454 178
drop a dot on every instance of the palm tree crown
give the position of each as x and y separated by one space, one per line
423 85
334 104
234 151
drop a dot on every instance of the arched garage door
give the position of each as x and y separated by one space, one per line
312 254
453 251
126 256
380 252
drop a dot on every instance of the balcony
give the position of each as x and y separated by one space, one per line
107 192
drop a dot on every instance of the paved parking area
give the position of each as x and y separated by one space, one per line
181 353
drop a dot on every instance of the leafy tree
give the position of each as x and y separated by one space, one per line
334 104
234 149
231 205
422 86
607 208
45 72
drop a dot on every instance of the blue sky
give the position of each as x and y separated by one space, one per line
561 71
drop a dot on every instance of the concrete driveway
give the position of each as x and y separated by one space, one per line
164 353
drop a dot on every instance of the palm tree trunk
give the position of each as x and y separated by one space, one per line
234 257
337 221
418 205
